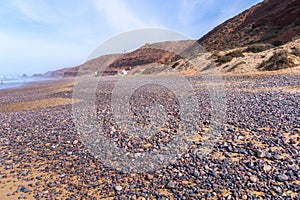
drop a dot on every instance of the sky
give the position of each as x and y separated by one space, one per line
37 36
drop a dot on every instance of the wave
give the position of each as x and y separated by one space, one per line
14 82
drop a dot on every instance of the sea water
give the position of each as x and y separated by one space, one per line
7 82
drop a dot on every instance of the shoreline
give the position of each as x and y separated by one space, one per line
21 84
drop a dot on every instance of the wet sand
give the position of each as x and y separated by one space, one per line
256 156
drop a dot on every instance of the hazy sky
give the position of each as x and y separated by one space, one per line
41 35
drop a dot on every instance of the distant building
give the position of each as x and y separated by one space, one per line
124 72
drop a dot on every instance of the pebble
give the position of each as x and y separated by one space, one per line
267 168
22 196
282 178
51 184
171 185
149 177
246 158
260 154
75 142
24 189
253 179
118 188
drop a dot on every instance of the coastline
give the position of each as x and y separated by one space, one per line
21 82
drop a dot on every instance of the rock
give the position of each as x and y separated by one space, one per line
118 188
22 196
51 184
196 174
69 153
75 142
149 177
282 178
277 157
260 154
253 179
229 148
171 185
250 164
9 194
62 175
24 189
267 168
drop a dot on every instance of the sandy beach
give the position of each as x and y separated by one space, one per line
255 157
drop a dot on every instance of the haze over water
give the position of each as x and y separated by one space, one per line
7 82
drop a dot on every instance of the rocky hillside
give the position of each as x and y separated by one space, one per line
265 26
271 21
88 68
160 53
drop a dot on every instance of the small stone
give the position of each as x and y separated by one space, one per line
24 189
282 178
9 194
253 179
51 184
244 197
229 148
69 153
268 155
149 177
171 185
260 154
75 142
196 174
22 196
62 175
276 157
241 137
250 164
18 189
267 168
118 188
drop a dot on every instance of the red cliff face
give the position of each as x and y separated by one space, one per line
162 52
272 21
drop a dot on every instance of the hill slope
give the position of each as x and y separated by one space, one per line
272 21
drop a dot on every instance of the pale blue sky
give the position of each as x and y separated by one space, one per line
38 35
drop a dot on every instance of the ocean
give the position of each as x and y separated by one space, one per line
7 82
